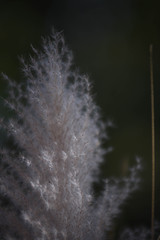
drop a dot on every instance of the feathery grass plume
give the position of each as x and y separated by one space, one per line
45 186
137 234
141 233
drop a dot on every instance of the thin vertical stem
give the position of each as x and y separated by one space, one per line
153 142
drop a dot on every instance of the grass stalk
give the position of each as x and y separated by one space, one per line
153 142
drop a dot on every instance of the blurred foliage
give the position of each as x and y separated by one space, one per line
110 41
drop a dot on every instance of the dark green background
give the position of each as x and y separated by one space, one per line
110 41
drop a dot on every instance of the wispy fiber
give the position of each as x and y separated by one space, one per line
45 186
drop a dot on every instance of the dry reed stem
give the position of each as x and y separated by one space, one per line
153 142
